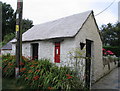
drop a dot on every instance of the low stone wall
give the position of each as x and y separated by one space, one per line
109 63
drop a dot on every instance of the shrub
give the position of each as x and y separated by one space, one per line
44 75
8 65
41 74
114 49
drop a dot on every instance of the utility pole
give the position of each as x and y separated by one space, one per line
18 37
119 11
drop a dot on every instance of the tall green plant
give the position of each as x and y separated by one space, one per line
44 75
8 65
41 74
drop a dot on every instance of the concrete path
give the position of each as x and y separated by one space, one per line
110 81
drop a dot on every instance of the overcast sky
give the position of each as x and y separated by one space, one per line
40 11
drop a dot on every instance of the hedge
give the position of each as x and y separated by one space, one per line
114 49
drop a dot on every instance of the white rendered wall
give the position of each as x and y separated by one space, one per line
4 52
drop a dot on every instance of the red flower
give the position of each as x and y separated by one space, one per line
38 70
21 63
36 78
30 71
26 78
50 88
103 49
32 66
69 77
110 52
107 52
22 69
67 74
10 64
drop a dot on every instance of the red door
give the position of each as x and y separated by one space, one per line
57 52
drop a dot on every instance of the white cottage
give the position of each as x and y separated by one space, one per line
6 49
53 40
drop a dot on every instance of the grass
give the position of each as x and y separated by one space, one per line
0 72
0 80
8 83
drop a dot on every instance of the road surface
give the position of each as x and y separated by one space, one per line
110 81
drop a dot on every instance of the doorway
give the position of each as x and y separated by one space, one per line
88 63
35 51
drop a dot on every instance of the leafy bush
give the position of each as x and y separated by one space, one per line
41 74
8 65
8 37
114 49
44 75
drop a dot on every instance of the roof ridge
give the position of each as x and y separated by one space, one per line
62 27
63 17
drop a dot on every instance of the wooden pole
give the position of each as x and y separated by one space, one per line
18 37
119 11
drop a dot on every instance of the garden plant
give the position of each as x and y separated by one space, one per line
41 74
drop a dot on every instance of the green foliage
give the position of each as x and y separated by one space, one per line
41 74
8 65
44 75
8 37
26 24
114 49
8 19
8 83
111 34
9 22
111 37
1 44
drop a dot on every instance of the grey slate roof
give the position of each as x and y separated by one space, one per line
8 46
64 27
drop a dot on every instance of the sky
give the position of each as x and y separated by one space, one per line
41 11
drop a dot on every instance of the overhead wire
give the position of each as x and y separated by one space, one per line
105 8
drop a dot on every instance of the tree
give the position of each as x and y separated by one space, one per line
117 30
8 19
9 22
26 24
111 34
